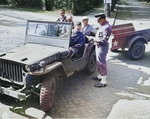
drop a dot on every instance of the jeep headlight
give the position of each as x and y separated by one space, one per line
42 65
26 68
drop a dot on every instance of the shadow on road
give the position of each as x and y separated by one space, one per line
20 107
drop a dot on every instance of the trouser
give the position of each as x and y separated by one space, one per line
101 53
103 78
74 52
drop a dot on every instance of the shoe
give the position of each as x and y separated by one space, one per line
99 85
96 78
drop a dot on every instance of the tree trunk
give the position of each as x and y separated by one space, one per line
114 2
43 5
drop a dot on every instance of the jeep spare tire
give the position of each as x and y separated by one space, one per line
47 93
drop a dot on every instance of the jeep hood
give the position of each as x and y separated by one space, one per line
31 53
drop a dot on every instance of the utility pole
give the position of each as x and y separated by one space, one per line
107 7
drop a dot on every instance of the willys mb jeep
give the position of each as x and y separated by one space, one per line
43 58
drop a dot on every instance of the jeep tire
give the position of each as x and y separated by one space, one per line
47 93
137 50
91 67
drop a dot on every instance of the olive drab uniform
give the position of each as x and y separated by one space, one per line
102 37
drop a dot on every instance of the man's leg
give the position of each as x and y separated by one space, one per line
101 65
103 79
98 78
102 83
74 52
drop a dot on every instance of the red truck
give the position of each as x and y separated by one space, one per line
125 36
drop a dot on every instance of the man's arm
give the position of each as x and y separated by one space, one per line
80 44
93 30
103 37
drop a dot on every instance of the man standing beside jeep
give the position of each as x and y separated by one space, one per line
101 43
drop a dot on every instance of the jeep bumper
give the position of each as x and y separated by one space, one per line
12 93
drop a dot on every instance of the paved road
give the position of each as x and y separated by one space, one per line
78 98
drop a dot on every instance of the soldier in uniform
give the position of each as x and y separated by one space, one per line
101 43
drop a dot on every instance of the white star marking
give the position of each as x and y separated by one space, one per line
115 43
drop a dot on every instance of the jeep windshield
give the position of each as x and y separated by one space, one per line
49 33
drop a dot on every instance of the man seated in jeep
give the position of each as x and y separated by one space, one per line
87 29
77 43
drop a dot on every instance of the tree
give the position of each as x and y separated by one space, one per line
114 2
3 2
49 4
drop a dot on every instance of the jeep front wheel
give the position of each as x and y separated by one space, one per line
47 93
91 67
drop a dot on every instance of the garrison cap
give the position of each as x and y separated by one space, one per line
100 15
77 23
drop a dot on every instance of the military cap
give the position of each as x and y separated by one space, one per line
84 18
77 23
100 15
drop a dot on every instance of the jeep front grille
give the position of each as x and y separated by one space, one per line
11 70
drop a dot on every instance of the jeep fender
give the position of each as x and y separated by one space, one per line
53 67
130 41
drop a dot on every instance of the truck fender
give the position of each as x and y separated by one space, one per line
55 68
50 68
130 41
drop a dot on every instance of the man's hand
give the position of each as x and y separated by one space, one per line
90 38
70 48
96 43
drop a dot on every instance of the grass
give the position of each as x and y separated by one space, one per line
28 9
24 9
122 2
145 3
19 107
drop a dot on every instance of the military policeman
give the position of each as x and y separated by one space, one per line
101 43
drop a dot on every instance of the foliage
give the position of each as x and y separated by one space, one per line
3 2
49 4
78 6
28 3
114 2
144 1
65 4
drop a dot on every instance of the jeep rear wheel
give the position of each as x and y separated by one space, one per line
47 93
91 67
137 50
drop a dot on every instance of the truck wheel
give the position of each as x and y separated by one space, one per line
47 93
91 67
137 50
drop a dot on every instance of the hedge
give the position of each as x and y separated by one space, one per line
28 3
78 6
3 2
